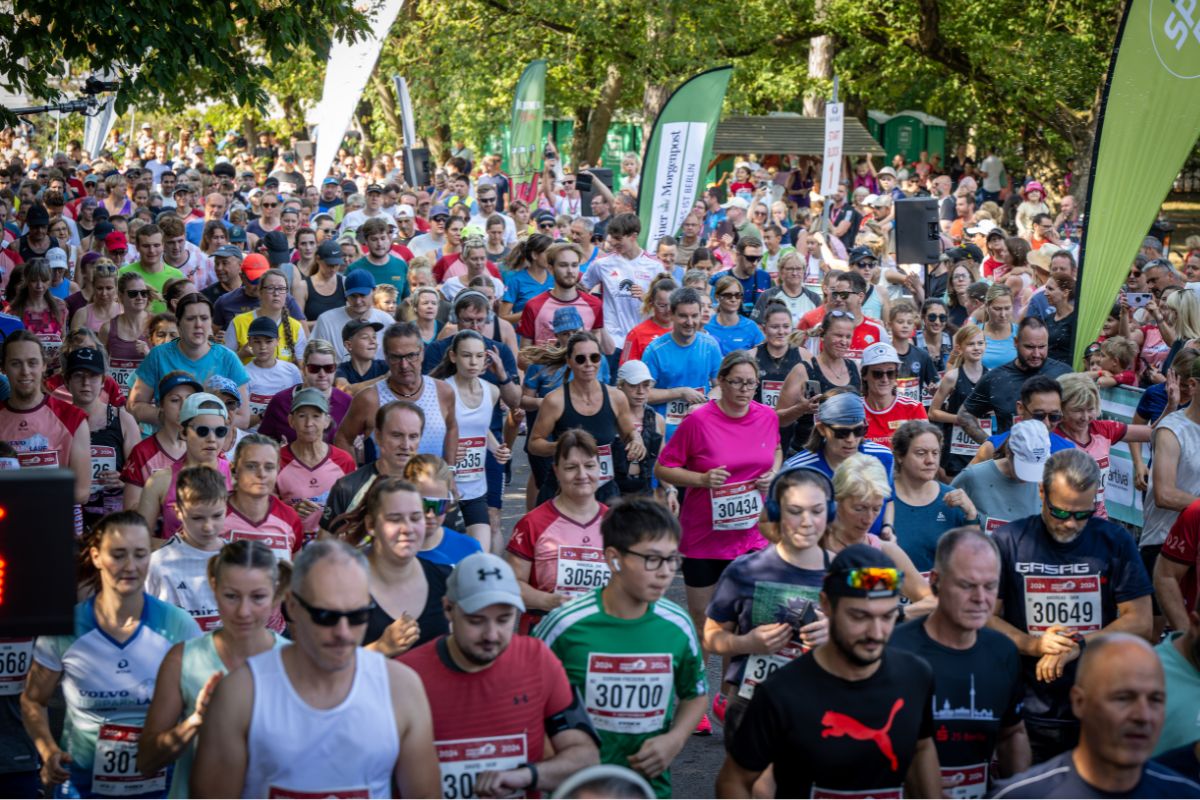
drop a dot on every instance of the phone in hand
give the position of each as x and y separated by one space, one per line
1138 299
812 389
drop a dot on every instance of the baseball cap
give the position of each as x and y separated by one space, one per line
543 213
736 202
263 326
228 251
237 234
880 353
38 215
309 396
330 252
116 241
880 200
863 571
202 403
885 171
861 254
1029 446
634 372
253 266
172 381
983 226
374 188
278 251
405 212
330 182
219 384
355 325
57 258
481 580
289 155
87 358
93 178
567 319
359 281
439 211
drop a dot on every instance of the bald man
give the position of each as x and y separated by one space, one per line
215 206
1120 700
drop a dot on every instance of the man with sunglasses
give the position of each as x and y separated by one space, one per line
747 269
1067 576
852 717
847 292
430 244
1041 400
381 734
485 195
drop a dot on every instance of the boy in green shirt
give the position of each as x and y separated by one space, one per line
634 656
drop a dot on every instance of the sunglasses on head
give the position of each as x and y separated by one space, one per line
869 579
1042 416
220 431
584 358
327 617
857 432
317 369
435 505
1064 514
133 294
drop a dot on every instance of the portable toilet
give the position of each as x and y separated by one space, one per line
909 132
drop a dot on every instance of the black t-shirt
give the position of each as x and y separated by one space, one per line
344 492
27 253
977 694
917 363
828 735
1183 760
847 212
214 292
346 370
432 621
999 390
1061 336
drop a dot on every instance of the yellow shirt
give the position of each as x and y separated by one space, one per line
241 329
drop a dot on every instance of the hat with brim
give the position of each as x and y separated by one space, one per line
1029 448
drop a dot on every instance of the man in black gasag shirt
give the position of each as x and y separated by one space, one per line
977 671
850 718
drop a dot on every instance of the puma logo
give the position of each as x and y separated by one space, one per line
837 724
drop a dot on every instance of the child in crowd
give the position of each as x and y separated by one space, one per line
362 369
435 480
384 297
268 374
918 376
1116 363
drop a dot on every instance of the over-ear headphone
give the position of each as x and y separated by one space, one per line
772 504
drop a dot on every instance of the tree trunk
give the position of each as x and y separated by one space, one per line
820 72
653 99
387 105
602 115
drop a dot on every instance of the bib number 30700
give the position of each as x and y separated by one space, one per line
629 692
114 771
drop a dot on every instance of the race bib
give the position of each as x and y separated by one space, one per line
258 403
1103 464
968 781
15 657
994 524
770 393
114 770
1072 601
294 794
735 506
579 570
122 371
604 456
910 388
471 464
629 693
280 543
39 459
461 761
51 344
104 458
678 409
759 667
961 444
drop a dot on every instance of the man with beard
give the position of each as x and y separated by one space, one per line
849 718
489 745
1067 576
537 318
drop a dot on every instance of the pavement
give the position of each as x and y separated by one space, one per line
694 772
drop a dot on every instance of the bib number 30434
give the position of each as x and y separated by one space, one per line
114 771
735 506
629 692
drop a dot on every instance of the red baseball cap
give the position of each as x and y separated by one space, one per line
116 241
254 265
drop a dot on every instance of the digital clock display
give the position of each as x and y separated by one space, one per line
37 552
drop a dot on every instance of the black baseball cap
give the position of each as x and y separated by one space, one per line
87 358
374 188
330 252
863 571
278 251
859 254
355 325
263 326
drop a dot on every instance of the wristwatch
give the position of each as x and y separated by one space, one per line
532 771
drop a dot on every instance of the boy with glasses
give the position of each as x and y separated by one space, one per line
633 654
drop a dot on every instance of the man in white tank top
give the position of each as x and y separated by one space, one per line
309 719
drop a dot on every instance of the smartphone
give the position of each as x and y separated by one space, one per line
1138 299
812 389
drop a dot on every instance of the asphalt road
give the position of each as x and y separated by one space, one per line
695 770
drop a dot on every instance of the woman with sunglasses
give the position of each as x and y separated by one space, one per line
962 276
933 336
318 367
248 583
832 367
583 402
957 384
406 590
124 335
273 297
732 330
556 549
107 667
886 407
204 421
308 465
435 480
255 512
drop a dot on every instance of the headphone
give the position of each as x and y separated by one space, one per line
772 504
491 312
616 565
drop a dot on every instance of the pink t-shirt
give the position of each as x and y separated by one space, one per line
298 481
280 530
722 523
42 435
1105 433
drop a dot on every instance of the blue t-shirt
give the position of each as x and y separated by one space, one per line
1153 402
673 365
741 336
1056 442
1059 778
194 230
520 287
167 358
817 461
999 351
752 288
8 324
453 548
918 528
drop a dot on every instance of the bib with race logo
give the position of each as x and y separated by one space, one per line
629 692
761 666
678 409
770 393
994 524
280 543
38 459
909 387
461 761
259 403
968 781
51 343
114 770
735 506
104 459
961 444
605 457
15 657
471 464
579 570
122 371
1072 601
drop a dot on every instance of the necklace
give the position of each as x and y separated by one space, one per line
420 386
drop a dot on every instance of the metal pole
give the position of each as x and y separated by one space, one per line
825 190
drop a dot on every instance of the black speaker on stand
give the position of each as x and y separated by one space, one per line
418 159
918 240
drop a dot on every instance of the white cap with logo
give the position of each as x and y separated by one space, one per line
1029 445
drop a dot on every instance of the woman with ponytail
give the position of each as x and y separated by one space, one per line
966 370
527 275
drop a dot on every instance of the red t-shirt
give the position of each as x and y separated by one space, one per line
1183 547
403 252
500 711
566 557
450 265
146 458
882 425
537 318
866 333
640 338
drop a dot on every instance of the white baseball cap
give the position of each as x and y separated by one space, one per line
737 202
57 258
1029 445
880 353
634 372
404 212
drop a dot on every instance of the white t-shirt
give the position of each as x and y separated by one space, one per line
510 227
617 274
178 575
453 286
266 382
994 168
355 219
426 244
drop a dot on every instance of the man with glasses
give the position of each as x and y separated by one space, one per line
569 201
359 285
485 195
1041 400
283 693
1066 577
432 243
754 280
852 717
325 227
632 654
469 675
846 294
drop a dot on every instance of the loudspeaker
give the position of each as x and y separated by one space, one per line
587 191
37 552
917 239
420 161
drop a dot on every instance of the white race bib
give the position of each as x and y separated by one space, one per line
471 464
259 403
104 458
910 388
678 409
280 543
15 658
961 444
51 343
770 393
968 781
461 761
759 667
604 456
114 770
579 570
629 693
735 506
122 371
1072 601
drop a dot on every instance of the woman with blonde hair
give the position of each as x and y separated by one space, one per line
999 330
965 370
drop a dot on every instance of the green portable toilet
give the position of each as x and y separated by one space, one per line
876 120
909 132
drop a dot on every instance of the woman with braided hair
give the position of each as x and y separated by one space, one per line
273 295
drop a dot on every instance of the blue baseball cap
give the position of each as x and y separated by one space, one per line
172 381
359 281
219 385
331 182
